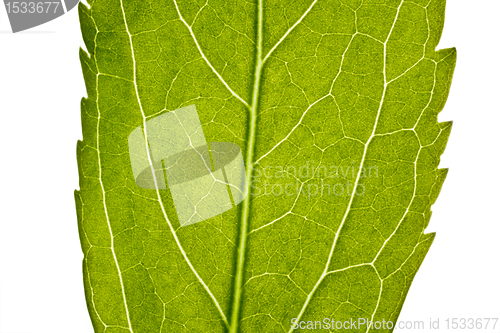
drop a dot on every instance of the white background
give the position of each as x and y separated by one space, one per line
41 288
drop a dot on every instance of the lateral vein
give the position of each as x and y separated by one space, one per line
184 254
289 31
112 247
205 58
325 272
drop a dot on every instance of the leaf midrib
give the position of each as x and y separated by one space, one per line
259 64
240 262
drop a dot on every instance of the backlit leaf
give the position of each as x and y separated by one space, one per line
333 105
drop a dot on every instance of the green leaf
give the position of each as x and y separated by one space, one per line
333 103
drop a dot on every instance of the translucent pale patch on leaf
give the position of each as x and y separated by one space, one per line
203 182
